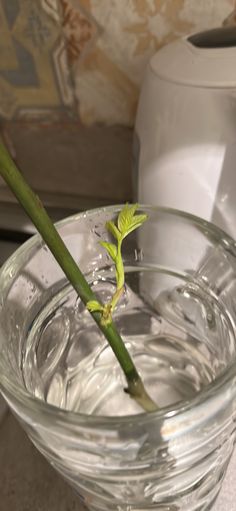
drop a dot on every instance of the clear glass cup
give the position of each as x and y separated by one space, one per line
177 318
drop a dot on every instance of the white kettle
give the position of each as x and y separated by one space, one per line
185 133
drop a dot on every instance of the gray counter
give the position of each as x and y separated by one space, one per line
28 483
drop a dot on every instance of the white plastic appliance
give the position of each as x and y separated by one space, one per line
185 134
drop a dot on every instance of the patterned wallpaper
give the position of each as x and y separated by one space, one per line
84 59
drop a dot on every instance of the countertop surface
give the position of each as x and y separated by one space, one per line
29 483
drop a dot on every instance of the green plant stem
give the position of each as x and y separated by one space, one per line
120 267
35 210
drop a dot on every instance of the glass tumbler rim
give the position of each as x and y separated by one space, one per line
24 397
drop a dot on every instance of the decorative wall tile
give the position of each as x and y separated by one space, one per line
52 8
35 80
79 28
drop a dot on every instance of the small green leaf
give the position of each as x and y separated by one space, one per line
136 222
110 248
125 217
111 227
94 306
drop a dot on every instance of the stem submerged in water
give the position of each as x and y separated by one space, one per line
35 210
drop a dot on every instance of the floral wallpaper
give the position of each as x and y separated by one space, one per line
83 60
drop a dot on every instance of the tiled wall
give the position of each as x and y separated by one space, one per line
84 59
